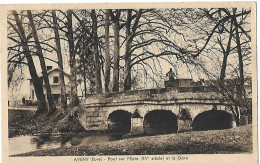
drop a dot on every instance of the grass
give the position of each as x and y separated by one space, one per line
21 122
229 141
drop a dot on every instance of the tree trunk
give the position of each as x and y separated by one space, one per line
107 52
127 70
127 74
84 57
52 107
98 85
240 88
116 53
237 117
35 78
223 69
74 101
226 54
129 39
60 62
84 73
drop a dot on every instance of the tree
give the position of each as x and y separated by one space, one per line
130 34
52 107
60 62
115 19
240 87
74 101
34 77
98 85
107 52
231 90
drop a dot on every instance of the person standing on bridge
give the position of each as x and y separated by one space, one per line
171 74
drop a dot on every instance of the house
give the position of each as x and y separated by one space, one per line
54 80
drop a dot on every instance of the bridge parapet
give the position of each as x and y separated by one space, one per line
152 95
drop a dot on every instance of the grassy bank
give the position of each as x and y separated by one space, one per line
235 140
22 122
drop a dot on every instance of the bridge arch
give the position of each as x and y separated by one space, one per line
119 121
160 122
213 120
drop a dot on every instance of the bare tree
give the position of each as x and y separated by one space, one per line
232 90
115 18
52 107
35 78
60 62
107 52
130 34
74 101
98 87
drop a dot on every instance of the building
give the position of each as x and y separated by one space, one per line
54 80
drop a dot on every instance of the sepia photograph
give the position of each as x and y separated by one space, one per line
163 83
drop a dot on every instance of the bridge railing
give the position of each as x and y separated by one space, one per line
154 95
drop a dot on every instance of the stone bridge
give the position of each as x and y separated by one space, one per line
162 110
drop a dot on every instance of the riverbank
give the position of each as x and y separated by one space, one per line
229 141
22 122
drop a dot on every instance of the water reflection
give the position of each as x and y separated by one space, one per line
23 144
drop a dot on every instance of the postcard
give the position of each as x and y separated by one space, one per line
129 82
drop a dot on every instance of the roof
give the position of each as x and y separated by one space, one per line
55 69
50 71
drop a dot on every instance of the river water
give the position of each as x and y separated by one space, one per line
29 143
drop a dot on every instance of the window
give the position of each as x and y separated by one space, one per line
55 79
48 67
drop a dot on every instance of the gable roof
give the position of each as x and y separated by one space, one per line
50 71
55 69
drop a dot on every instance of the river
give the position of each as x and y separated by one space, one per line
29 143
